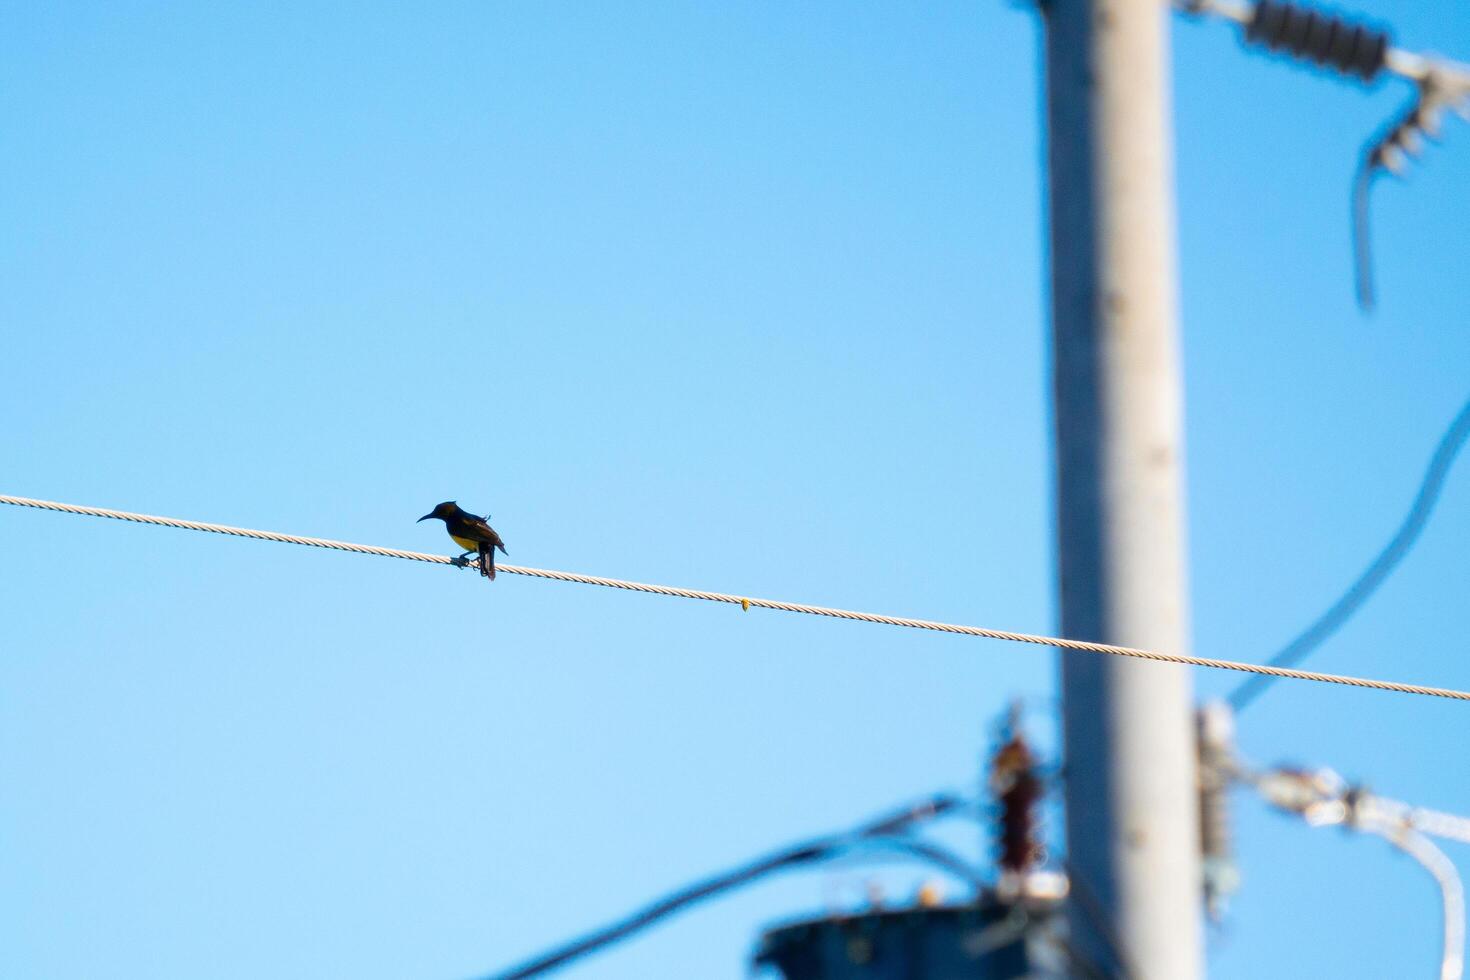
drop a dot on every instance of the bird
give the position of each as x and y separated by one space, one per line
473 534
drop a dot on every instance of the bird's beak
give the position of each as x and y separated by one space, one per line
424 518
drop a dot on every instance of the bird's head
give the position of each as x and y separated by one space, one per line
443 511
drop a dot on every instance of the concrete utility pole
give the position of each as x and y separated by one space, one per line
1128 740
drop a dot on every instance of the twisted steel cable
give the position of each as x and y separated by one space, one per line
747 602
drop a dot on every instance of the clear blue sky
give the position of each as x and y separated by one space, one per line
743 297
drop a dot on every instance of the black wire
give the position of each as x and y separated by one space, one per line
938 856
1086 899
817 849
1373 576
1082 964
660 909
1362 246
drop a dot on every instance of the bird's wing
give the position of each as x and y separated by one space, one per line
477 527
483 525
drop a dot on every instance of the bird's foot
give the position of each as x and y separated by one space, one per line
460 562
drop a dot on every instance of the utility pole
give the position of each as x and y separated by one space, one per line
1128 742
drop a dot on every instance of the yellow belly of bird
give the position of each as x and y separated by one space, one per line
466 543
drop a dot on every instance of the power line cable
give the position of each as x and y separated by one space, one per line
1355 48
1322 796
1378 570
1451 890
747 602
1324 799
806 852
1079 891
940 857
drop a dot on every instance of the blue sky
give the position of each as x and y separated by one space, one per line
746 298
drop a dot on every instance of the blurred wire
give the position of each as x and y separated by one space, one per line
1323 799
940 857
1437 823
810 851
1362 242
1374 575
1082 964
1439 86
1092 908
1451 890
1321 796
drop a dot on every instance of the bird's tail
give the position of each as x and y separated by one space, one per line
487 561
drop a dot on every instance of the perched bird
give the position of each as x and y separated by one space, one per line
471 533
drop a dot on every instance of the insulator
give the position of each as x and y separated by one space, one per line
1405 138
1411 141
1017 789
1313 35
1391 158
1214 820
1215 738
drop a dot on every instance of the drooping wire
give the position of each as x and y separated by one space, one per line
1362 243
932 853
1322 798
1451 891
891 826
1390 151
1081 893
1377 571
